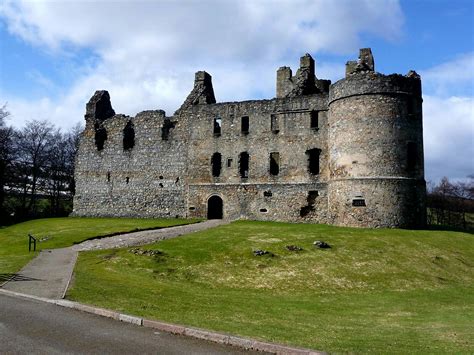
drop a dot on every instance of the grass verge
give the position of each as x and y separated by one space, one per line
63 232
383 291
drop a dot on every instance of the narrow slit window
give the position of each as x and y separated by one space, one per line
244 165
274 163
216 162
411 156
108 177
313 160
411 106
245 125
275 126
128 136
229 162
314 120
217 126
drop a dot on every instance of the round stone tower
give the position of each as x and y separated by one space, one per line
376 148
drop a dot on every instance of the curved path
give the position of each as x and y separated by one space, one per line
49 274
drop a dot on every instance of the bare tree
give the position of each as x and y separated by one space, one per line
33 147
5 154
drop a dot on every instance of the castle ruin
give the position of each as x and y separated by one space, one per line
348 154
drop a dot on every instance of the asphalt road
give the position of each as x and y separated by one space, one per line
34 327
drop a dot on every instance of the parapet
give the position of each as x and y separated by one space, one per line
202 93
303 83
364 64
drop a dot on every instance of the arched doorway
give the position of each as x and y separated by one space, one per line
214 208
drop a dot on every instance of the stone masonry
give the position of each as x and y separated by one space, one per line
348 154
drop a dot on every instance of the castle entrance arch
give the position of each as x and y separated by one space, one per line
215 207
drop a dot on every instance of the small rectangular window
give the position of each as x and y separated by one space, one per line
229 162
216 164
275 126
314 120
217 126
358 202
274 163
245 125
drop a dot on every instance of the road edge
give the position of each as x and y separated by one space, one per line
215 337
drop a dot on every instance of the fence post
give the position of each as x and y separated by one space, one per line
31 240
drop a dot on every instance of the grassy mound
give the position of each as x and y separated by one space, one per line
374 291
63 232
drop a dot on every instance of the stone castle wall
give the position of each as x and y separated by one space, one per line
312 152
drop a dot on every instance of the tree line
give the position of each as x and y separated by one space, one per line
36 170
451 204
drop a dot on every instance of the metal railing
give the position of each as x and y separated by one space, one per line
31 240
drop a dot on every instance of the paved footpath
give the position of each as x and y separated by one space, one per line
49 274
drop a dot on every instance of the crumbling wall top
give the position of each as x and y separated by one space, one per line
202 93
99 106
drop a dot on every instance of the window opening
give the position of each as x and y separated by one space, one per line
165 130
314 120
245 125
127 180
313 160
311 200
229 162
263 210
275 126
108 177
100 137
217 126
216 164
274 163
244 165
267 193
358 202
128 136
411 156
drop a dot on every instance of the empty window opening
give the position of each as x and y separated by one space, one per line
310 200
244 165
313 160
100 137
217 126
192 208
245 125
267 193
216 163
411 106
263 210
314 120
229 162
128 136
411 156
161 185
274 163
275 126
161 177
127 180
215 208
358 202
108 177
176 181
165 130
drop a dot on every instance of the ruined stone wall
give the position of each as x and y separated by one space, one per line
147 180
291 138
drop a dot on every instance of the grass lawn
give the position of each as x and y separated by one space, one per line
63 232
381 291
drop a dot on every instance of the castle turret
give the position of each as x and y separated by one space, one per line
376 148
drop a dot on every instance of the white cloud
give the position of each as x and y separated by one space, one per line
448 125
149 50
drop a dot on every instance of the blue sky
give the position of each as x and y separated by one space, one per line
54 55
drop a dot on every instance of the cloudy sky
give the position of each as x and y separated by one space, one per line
55 54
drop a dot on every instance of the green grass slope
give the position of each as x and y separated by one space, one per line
383 291
63 232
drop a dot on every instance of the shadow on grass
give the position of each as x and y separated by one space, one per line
16 277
